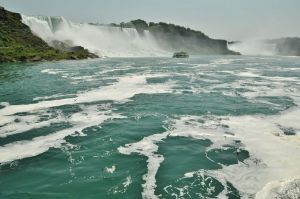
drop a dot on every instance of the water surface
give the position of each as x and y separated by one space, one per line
204 127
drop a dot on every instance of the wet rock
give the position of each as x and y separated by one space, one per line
76 49
36 58
73 57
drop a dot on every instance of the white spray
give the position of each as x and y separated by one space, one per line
253 47
102 40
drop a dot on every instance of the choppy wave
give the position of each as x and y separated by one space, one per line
122 91
241 106
262 136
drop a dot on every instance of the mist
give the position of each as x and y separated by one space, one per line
101 40
133 39
253 47
237 20
286 46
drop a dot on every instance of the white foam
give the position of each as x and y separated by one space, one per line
52 71
201 178
5 120
256 88
247 74
25 123
90 116
121 91
289 118
280 79
147 147
52 97
184 127
122 188
111 169
272 157
280 189
4 104
87 78
127 182
222 61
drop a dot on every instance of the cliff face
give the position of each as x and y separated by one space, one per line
18 44
175 38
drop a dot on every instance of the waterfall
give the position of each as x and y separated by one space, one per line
101 40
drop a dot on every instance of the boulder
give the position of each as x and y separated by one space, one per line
73 57
36 58
76 49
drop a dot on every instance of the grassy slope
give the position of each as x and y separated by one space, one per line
18 44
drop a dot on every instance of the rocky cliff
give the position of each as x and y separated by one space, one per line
18 44
178 38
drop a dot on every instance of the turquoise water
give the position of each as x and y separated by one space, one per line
204 127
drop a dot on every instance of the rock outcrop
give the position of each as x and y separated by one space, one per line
19 44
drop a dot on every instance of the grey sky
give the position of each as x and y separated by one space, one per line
228 19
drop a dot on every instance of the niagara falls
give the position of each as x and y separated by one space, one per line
149 99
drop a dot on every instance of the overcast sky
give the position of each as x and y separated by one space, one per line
227 19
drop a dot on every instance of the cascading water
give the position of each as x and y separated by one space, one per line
102 40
